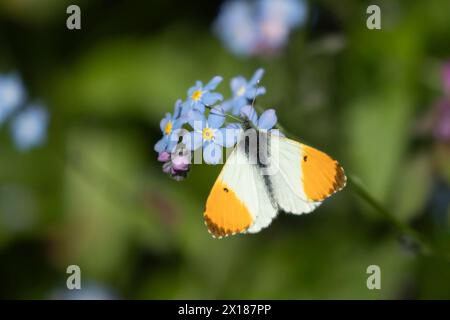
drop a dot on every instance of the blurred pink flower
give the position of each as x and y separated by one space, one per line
446 77
436 122
441 128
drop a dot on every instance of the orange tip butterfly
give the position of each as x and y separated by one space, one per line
251 190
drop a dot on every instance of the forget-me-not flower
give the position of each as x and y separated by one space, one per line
244 92
12 95
207 134
266 121
29 128
169 126
200 96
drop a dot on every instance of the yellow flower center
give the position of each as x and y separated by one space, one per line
208 134
241 91
196 95
168 128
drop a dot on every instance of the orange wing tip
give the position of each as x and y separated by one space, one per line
340 178
219 232
322 175
339 182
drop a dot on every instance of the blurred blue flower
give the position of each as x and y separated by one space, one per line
266 121
277 18
200 96
244 92
169 127
258 27
439 201
88 291
12 95
236 27
209 134
29 128
291 12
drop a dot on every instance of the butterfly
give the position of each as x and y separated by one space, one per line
267 173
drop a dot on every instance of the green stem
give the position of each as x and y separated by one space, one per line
401 227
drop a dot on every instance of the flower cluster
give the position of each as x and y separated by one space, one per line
202 121
29 123
258 27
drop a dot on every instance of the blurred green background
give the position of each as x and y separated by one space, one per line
94 194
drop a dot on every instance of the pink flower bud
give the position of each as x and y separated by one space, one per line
163 156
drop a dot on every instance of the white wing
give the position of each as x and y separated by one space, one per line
285 175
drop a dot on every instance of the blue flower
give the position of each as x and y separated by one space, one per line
188 113
169 127
237 28
12 95
209 134
266 121
200 96
244 92
29 128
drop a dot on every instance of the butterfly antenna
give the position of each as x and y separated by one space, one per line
224 114
256 92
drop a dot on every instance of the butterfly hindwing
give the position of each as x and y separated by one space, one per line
238 201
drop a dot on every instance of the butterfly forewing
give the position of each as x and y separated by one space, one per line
302 177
